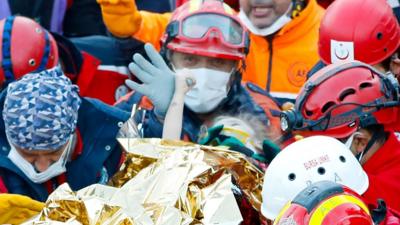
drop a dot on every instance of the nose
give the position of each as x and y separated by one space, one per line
42 164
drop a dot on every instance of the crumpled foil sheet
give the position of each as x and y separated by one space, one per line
161 182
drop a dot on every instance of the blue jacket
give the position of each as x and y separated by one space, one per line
98 125
238 101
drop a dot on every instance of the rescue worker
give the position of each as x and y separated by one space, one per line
303 164
50 135
27 47
356 104
369 32
284 35
213 53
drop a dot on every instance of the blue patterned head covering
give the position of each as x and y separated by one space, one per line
41 110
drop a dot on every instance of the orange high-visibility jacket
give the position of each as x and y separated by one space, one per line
278 63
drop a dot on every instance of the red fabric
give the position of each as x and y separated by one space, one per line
391 218
394 126
79 145
233 3
180 2
325 3
87 73
69 3
249 214
383 170
124 98
96 83
49 186
3 188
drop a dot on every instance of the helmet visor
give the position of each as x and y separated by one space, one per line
202 26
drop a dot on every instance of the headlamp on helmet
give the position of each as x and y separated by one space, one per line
340 98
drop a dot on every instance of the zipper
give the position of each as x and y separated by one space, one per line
269 75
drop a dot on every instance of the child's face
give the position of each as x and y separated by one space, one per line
236 124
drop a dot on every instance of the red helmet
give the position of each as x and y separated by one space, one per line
25 47
207 28
363 30
326 203
342 97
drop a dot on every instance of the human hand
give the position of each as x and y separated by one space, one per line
184 81
121 17
158 79
15 209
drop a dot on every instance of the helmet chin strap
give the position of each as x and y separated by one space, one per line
371 142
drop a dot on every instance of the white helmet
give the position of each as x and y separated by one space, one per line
307 161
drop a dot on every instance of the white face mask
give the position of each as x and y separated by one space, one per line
210 89
392 78
349 141
28 169
348 144
277 25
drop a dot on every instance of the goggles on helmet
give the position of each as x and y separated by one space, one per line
213 31
201 26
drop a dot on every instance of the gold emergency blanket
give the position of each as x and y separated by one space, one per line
161 182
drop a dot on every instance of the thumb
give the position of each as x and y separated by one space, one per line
186 75
190 81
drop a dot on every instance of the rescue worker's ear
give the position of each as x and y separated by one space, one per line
360 141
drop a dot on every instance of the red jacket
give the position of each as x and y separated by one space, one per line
3 188
383 170
392 218
106 83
